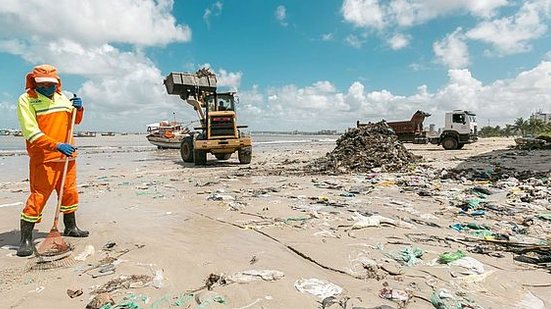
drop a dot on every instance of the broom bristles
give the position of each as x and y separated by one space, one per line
53 244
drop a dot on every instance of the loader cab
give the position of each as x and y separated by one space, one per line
220 116
221 102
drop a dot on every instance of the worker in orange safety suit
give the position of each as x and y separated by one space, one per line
45 118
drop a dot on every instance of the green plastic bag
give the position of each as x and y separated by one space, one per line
448 257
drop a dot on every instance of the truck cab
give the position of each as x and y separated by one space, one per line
460 128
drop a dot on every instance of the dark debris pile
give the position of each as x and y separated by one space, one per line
362 149
541 142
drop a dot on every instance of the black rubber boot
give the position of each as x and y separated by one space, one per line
26 246
71 228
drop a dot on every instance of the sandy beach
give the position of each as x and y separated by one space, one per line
179 223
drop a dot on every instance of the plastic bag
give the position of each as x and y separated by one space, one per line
253 275
317 287
448 257
158 279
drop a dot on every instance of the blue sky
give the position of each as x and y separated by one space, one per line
304 65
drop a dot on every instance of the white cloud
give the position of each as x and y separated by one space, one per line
513 34
232 80
416 67
281 15
145 22
322 106
378 14
452 50
354 41
214 10
327 37
364 13
398 41
122 88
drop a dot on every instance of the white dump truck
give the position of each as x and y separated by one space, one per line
460 128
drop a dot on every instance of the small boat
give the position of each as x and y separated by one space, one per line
108 134
84 134
166 135
17 133
5 132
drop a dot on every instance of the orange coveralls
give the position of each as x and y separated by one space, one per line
45 123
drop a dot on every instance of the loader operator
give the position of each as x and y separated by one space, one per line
45 118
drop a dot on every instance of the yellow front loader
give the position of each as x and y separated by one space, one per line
219 133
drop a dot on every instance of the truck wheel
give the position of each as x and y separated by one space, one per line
460 146
186 149
223 156
245 155
199 157
449 143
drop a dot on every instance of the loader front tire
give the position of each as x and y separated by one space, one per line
186 149
245 155
199 157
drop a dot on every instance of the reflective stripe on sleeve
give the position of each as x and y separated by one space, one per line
35 136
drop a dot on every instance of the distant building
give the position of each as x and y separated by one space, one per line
545 117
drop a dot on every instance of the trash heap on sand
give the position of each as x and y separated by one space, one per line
362 149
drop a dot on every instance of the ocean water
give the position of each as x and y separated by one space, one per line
10 145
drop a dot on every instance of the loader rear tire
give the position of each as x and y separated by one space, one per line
245 155
223 156
199 157
186 149
450 143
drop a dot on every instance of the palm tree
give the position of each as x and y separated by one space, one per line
508 130
520 125
535 126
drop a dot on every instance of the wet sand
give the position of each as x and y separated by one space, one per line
226 218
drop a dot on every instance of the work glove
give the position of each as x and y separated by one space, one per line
77 103
65 149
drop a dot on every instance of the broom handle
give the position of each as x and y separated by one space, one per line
65 168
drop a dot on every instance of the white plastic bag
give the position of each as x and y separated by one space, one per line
317 287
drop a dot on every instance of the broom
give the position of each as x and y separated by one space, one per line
54 247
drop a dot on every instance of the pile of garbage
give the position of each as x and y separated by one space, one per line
540 142
363 149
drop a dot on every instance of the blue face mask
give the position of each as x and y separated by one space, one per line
46 91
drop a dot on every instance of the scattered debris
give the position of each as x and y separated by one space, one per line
533 143
109 246
448 257
317 287
394 295
100 300
74 293
408 256
88 250
469 263
158 279
253 275
124 282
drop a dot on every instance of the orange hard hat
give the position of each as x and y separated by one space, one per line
42 73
